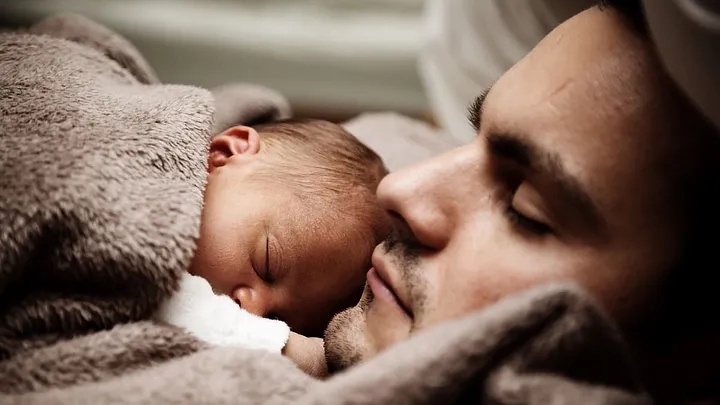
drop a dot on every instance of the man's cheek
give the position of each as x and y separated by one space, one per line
457 287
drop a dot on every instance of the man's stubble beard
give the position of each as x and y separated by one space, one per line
345 343
345 338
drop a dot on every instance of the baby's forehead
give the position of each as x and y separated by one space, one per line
326 234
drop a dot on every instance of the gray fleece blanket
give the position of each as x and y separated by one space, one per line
101 189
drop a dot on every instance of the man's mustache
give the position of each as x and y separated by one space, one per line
401 244
405 251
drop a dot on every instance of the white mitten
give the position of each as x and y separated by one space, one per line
218 320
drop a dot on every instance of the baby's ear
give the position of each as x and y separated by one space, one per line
238 140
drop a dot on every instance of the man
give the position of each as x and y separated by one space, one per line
588 166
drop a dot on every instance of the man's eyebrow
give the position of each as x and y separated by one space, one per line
528 155
475 109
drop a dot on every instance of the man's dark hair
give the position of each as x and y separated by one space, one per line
631 10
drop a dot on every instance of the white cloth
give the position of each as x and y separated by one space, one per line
469 44
218 320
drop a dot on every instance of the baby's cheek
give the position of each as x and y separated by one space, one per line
311 314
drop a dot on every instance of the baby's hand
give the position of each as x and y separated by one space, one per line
307 353
218 320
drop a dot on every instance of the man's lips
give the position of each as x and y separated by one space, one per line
381 290
381 285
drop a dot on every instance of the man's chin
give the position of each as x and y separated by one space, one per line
345 341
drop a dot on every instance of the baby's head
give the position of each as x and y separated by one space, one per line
290 220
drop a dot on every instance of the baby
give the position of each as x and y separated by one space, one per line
287 231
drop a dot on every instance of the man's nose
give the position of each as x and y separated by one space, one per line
423 195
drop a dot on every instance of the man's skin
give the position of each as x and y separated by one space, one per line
576 175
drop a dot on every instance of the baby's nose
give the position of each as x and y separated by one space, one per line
251 300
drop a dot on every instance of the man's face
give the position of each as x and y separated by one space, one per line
565 182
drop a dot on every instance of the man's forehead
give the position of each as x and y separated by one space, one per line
594 116
567 85
591 32
595 57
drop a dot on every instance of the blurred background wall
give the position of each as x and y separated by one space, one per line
332 58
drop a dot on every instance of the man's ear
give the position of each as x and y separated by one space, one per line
239 140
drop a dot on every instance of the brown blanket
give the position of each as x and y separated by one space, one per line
100 197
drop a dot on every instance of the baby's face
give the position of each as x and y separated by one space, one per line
275 256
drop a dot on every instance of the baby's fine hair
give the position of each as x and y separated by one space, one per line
326 166
307 144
